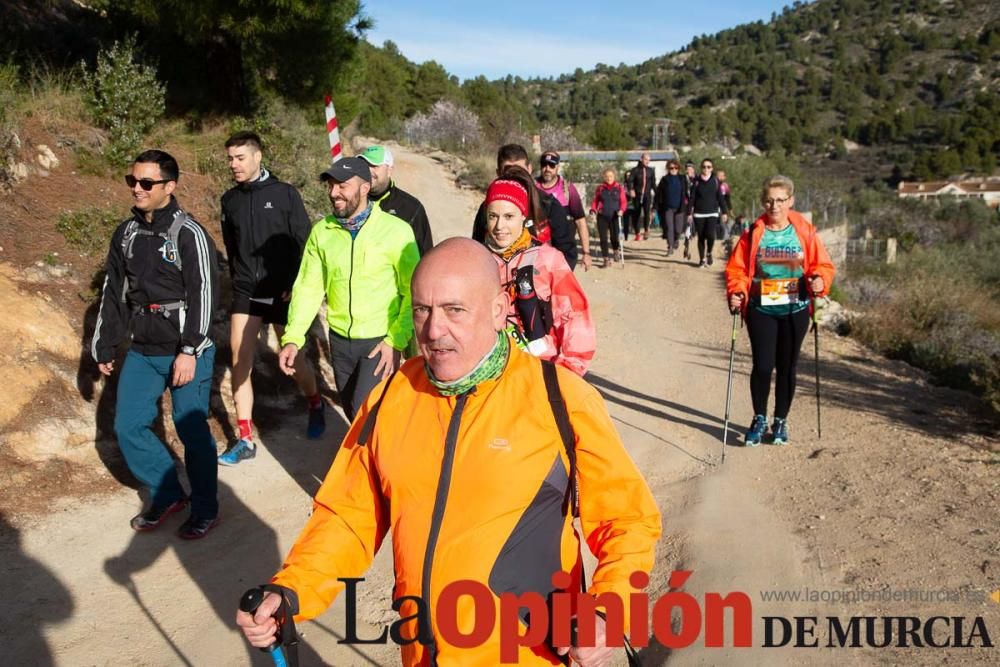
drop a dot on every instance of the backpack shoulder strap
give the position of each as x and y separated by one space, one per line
174 232
561 415
369 426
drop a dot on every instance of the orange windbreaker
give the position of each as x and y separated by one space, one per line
743 260
482 479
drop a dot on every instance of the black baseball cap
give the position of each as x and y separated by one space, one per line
346 168
550 158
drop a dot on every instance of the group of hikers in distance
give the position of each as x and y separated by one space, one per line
480 448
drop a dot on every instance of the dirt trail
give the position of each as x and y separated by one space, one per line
896 494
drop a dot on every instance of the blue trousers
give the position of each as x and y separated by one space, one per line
143 380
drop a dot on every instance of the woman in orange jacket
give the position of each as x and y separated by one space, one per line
549 313
777 265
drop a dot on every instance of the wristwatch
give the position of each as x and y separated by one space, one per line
187 349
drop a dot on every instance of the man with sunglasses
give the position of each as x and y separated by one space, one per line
552 183
705 206
161 290
265 227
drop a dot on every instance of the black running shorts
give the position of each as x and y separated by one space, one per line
270 313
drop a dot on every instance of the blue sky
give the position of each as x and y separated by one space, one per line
550 38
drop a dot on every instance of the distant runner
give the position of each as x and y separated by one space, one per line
552 183
609 205
641 183
706 206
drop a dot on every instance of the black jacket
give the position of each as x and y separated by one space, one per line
405 206
634 182
151 277
563 227
706 198
265 227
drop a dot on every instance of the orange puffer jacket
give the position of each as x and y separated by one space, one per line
472 488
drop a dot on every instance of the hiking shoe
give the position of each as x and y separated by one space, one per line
317 422
756 431
196 528
154 516
243 450
779 431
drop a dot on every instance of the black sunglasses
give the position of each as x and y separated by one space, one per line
144 183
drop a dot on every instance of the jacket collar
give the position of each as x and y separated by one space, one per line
162 217
265 178
385 194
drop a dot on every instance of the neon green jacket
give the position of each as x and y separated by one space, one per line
366 281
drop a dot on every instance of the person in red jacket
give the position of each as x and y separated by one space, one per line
609 204
777 265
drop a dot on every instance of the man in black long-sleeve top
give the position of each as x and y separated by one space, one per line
641 184
162 288
265 227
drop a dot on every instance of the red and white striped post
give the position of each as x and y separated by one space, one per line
331 130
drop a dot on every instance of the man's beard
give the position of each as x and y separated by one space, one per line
350 207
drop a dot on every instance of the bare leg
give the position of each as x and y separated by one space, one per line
243 332
304 374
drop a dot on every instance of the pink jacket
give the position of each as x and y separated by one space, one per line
571 340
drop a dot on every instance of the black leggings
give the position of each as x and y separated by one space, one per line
705 228
639 216
606 223
775 341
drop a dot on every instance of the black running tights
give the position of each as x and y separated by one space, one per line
605 224
705 228
775 342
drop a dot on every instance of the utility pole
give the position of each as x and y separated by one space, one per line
661 133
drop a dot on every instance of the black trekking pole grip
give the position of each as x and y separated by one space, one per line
249 603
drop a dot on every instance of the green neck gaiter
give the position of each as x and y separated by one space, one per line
489 368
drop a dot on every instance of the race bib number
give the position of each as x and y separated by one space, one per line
779 292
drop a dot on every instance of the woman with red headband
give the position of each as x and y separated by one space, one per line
549 314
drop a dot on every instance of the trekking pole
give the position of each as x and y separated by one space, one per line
621 241
286 636
729 385
815 328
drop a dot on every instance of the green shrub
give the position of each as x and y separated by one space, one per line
935 311
89 229
125 98
8 137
